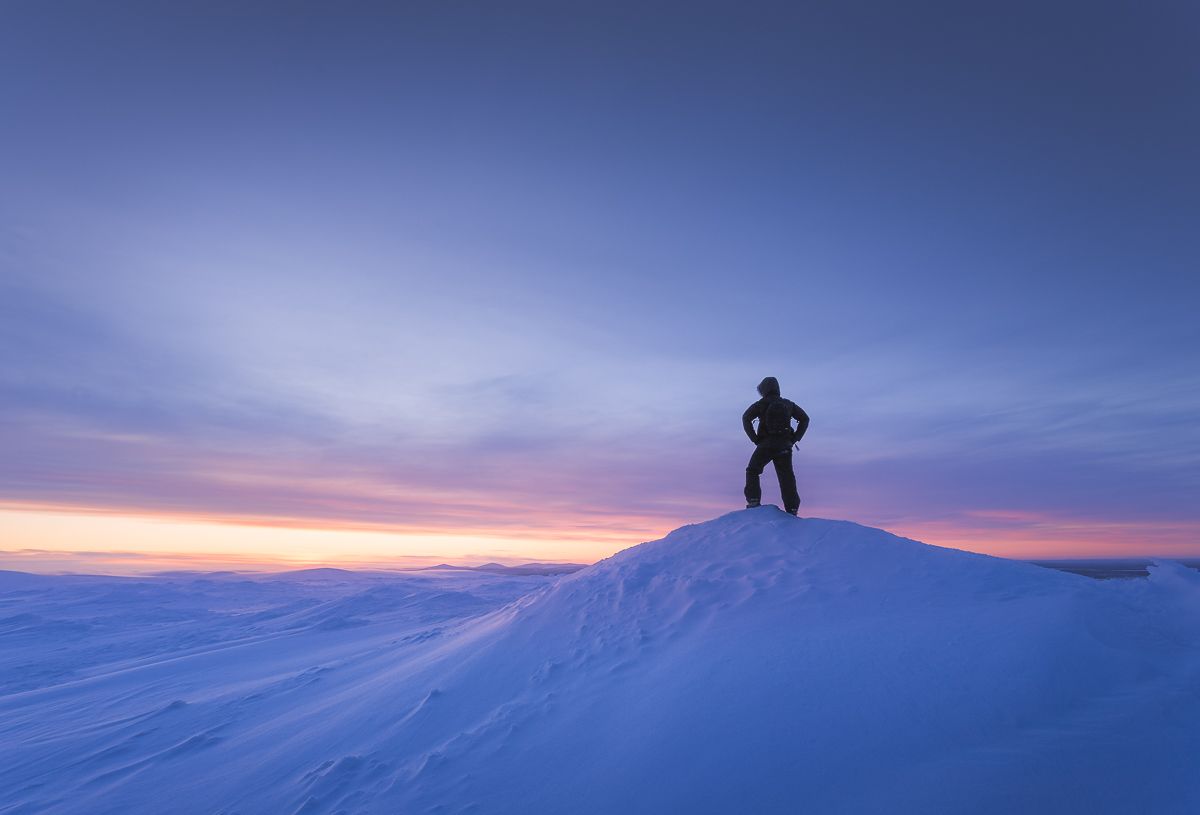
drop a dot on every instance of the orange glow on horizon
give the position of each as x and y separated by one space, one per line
113 540
1034 536
57 539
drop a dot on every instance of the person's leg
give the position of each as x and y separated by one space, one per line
758 461
787 480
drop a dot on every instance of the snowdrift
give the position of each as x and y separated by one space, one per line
754 663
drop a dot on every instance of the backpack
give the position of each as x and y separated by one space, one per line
776 417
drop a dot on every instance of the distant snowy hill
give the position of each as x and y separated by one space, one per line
755 663
523 568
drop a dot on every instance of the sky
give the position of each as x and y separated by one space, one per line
382 283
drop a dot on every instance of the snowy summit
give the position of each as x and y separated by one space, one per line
756 663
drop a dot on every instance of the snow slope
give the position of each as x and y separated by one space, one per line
754 663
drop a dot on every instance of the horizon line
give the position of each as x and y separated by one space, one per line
289 544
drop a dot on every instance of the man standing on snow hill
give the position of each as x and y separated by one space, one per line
773 441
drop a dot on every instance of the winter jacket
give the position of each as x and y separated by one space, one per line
769 388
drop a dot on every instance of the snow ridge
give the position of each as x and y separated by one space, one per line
753 663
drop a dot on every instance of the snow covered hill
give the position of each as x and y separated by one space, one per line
755 663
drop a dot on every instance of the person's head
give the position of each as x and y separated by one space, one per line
768 387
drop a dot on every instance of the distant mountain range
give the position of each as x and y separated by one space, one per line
524 568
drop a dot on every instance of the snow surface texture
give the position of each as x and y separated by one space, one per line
756 663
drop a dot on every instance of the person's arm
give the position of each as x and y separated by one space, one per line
801 421
748 422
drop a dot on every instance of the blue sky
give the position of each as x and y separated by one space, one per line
447 266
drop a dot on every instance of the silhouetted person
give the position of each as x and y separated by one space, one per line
773 441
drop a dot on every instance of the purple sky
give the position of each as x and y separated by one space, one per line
453 266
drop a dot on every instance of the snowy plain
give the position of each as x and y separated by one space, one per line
755 663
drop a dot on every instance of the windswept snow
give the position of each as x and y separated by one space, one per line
754 663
